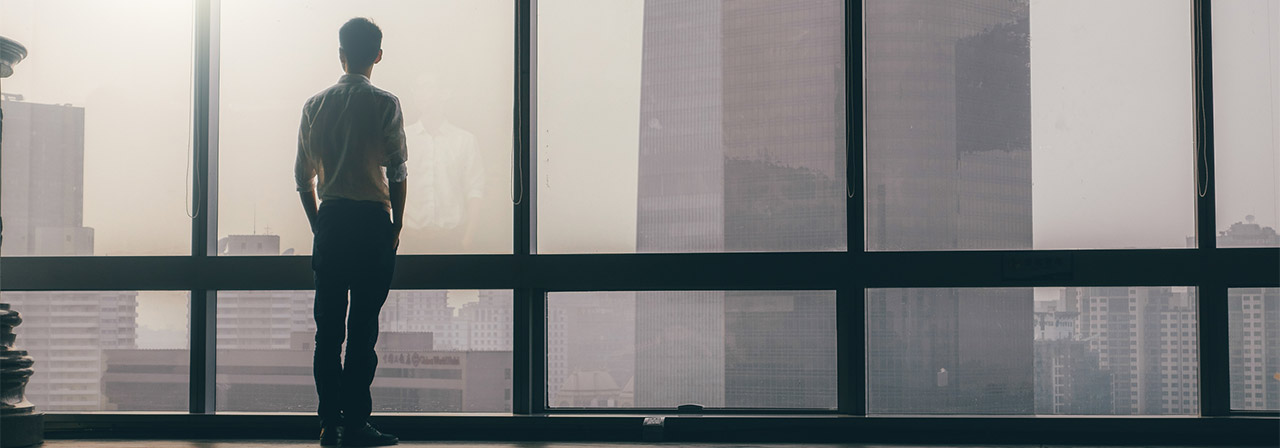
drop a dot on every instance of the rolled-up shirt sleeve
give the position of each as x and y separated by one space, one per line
304 169
397 152
397 173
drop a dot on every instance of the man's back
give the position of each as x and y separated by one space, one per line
348 133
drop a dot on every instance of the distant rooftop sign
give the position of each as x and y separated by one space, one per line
11 53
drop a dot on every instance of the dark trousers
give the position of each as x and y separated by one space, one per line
353 253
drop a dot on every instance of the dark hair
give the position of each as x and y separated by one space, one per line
361 40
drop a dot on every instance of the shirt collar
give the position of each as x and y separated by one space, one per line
353 78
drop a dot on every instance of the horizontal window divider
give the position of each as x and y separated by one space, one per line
1249 267
757 427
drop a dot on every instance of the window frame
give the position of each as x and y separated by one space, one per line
1211 270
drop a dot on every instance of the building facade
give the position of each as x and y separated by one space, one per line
948 166
741 149
42 184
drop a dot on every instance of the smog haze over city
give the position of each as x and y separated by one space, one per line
990 124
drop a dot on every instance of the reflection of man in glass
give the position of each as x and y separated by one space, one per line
349 134
448 174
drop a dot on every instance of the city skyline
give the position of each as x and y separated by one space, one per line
48 77
719 168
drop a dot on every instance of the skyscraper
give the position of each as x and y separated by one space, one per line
43 207
43 180
948 167
741 149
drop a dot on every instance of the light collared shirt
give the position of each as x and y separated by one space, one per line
448 172
351 142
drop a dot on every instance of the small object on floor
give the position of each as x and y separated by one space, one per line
652 429
329 436
367 436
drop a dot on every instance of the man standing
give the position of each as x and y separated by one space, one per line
349 134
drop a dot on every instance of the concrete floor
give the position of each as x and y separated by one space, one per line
299 444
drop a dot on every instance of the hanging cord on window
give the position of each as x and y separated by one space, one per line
842 108
1202 158
517 169
193 176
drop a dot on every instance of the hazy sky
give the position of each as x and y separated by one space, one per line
1112 112
1103 178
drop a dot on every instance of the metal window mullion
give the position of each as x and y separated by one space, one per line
850 297
203 302
526 384
1215 387
537 300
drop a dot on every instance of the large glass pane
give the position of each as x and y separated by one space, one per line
97 127
1020 124
438 351
451 64
1255 348
1246 125
697 126
1007 351
718 349
106 350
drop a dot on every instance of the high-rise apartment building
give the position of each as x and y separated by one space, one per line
1068 380
590 348
1255 348
1147 339
42 184
260 320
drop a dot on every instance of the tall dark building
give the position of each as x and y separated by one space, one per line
741 149
43 180
949 167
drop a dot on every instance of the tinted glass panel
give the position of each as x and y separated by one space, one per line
1255 348
999 124
105 350
449 62
1246 125
96 155
438 351
719 349
1010 351
700 126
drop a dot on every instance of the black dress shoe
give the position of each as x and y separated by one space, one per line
367 436
329 436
